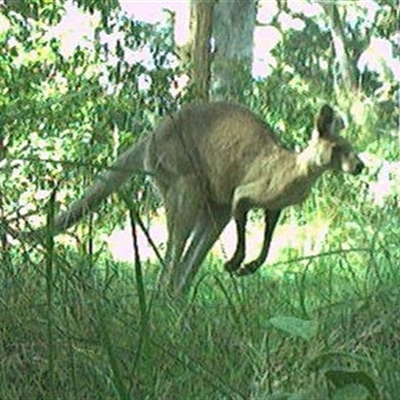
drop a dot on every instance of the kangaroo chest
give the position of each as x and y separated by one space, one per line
279 195
280 188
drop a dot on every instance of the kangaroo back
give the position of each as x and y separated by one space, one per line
215 141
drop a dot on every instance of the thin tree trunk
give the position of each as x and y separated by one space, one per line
201 28
233 29
346 68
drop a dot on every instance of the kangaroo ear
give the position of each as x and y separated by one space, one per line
325 121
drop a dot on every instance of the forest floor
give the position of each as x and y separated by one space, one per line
320 325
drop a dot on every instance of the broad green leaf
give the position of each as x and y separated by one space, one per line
304 329
352 392
344 378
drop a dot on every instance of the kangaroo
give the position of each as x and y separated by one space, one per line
214 162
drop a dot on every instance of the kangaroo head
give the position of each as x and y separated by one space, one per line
327 149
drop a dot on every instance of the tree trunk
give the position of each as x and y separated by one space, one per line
201 28
233 28
347 72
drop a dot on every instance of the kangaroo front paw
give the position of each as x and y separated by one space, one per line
232 265
247 269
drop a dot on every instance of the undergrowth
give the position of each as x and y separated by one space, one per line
72 326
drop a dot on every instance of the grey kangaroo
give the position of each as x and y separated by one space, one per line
216 161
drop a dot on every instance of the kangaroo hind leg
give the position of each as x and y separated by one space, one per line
209 224
182 203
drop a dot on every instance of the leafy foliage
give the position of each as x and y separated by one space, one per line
306 69
63 110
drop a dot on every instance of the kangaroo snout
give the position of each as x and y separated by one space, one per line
352 164
358 168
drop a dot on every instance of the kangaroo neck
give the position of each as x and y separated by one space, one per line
293 167
279 180
298 171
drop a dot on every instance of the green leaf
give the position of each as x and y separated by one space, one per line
343 378
351 392
326 360
304 329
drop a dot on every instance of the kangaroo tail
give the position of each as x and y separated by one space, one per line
129 162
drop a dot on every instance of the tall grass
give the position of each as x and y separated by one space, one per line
72 325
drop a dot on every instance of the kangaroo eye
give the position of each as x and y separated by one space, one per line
338 149
339 123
